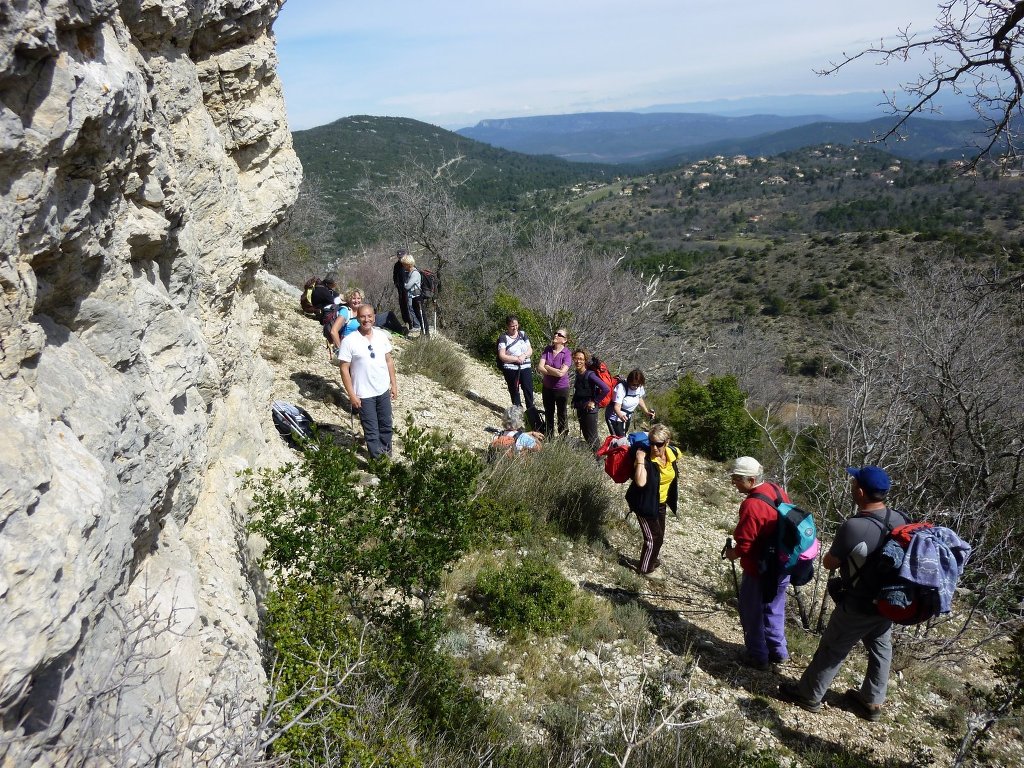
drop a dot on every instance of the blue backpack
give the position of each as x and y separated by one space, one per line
795 535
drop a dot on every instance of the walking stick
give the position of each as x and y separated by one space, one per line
735 579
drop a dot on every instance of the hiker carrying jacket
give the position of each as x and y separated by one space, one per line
762 595
655 489
855 619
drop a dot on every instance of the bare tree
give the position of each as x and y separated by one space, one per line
302 245
419 210
974 50
637 722
615 313
932 389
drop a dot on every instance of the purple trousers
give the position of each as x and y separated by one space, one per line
763 622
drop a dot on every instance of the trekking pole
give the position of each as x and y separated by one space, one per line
735 579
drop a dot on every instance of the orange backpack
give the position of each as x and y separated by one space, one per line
604 375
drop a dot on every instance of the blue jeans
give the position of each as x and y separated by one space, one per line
763 621
375 416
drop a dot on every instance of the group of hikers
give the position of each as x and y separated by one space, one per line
361 347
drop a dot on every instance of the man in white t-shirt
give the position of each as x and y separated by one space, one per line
368 373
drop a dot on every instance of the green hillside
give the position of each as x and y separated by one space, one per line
342 154
787 242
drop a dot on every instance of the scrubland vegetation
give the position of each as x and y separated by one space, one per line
831 320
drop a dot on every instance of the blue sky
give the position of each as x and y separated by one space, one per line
455 62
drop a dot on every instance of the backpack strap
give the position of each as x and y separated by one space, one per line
886 529
770 502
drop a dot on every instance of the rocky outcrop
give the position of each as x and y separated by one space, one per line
144 155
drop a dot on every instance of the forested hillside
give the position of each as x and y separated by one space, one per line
339 156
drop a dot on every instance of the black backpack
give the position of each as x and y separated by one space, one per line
429 284
293 423
330 314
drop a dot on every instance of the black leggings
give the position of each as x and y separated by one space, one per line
588 425
555 400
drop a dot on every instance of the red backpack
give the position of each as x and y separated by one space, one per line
618 464
604 375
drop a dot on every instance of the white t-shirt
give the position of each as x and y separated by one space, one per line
628 400
368 362
515 346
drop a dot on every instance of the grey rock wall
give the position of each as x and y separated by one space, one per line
144 155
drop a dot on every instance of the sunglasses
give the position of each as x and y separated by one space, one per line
560 334
372 353
662 444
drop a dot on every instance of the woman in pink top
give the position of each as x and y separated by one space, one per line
555 362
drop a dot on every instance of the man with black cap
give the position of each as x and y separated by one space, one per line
855 618
398 277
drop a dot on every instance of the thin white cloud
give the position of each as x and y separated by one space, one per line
452 62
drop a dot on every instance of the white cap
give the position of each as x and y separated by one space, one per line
746 466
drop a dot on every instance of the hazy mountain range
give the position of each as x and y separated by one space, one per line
662 134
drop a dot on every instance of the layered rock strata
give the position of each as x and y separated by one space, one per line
144 155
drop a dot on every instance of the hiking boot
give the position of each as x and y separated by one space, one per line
790 693
776 658
751 663
863 710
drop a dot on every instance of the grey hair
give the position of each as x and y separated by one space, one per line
513 417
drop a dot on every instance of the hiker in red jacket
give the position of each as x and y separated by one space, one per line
762 597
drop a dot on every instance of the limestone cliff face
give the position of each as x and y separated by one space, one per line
144 155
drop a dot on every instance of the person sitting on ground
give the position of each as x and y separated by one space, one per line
855 618
555 363
762 595
629 395
512 437
655 489
386 320
588 389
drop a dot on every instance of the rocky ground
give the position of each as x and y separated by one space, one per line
691 606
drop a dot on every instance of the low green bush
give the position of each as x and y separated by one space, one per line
710 419
559 485
384 546
436 359
531 596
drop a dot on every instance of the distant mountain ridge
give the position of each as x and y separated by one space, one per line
658 139
622 137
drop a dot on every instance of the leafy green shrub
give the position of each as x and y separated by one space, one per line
379 545
532 596
436 359
314 642
710 419
404 706
562 486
